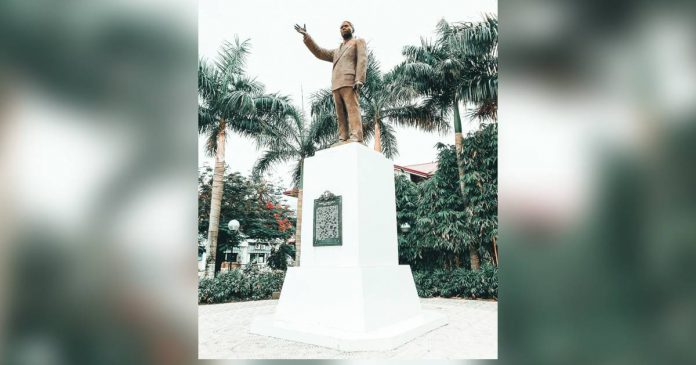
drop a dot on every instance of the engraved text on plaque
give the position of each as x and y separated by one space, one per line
327 220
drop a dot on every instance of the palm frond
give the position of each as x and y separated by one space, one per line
424 116
369 109
208 80
297 174
246 84
479 88
461 65
238 103
475 39
249 127
485 111
368 130
211 140
270 158
398 88
322 102
275 137
452 67
427 52
232 56
206 120
295 125
274 104
419 71
323 131
282 129
373 78
388 140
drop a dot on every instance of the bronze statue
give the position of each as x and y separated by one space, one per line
349 71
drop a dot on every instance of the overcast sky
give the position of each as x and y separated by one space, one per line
281 61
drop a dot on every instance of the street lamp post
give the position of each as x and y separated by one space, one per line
233 225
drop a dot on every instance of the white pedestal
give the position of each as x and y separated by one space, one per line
353 297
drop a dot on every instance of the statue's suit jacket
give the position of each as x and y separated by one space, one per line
349 61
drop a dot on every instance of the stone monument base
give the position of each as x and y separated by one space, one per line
349 308
350 293
382 339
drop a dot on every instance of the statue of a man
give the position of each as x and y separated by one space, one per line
349 71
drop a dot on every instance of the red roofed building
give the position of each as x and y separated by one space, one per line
417 172
291 193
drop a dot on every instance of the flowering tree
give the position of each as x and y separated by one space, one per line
256 205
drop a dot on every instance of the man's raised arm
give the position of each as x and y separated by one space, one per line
318 52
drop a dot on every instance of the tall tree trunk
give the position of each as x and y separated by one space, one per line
216 200
298 226
298 232
495 252
473 253
474 258
378 137
458 146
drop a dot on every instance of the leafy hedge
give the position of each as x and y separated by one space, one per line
240 285
458 283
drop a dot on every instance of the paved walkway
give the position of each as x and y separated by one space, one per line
472 333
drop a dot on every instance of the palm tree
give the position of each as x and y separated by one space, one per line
460 66
477 45
229 101
291 140
386 101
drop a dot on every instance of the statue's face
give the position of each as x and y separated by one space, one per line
346 30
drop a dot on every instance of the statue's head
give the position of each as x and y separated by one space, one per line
347 30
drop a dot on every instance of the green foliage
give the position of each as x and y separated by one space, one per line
461 65
456 210
406 202
435 211
229 99
278 259
480 160
292 139
443 225
387 101
481 284
256 205
254 284
240 285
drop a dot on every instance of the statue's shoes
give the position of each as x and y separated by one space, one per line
351 140
355 140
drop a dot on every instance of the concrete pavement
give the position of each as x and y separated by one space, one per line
472 333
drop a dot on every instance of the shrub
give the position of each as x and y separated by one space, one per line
205 290
424 284
257 284
278 259
458 283
240 285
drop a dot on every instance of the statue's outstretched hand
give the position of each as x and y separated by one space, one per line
302 30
